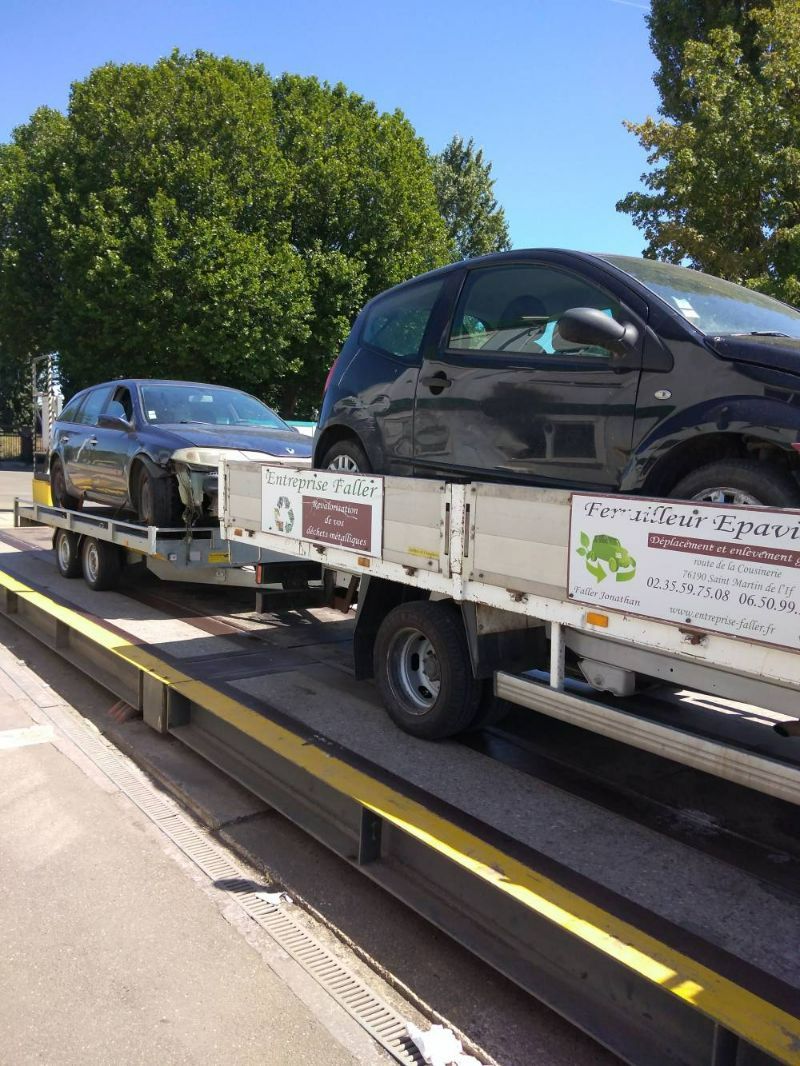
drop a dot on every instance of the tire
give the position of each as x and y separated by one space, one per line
423 670
101 564
67 547
58 488
743 482
348 457
158 502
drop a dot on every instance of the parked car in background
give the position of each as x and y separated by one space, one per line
153 447
564 369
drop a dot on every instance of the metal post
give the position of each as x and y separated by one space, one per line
725 1048
556 656
369 839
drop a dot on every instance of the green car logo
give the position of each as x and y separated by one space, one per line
603 552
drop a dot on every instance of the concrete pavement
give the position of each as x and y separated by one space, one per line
12 483
113 949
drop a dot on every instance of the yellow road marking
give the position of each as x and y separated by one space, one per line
756 1020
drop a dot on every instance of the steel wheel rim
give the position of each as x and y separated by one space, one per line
92 561
344 464
64 553
414 670
725 494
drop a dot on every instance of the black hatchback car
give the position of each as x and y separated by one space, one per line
565 369
153 447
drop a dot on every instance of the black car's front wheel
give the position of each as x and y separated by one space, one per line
158 500
58 488
348 457
740 482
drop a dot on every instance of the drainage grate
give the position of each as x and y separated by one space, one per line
374 1015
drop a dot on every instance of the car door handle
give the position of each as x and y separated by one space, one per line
92 441
437 381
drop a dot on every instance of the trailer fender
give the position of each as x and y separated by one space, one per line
376 597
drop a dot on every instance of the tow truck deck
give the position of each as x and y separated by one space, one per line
653 905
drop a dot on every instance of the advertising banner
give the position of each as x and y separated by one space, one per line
325 506
733 570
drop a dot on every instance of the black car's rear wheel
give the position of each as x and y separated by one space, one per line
58 488
348 457
741 482
158 500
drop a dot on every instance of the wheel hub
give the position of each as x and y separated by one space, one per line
725 494
415 670
344 464
92 562
64 553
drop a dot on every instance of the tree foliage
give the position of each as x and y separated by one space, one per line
725 189
197 219
674 22
465 189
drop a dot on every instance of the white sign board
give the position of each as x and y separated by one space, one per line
733 570
324 506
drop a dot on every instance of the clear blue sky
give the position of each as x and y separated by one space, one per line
542 85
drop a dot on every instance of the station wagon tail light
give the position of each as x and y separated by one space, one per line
796 445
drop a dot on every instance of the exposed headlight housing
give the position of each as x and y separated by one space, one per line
210 457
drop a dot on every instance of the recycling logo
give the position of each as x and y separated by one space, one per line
605 555
284 515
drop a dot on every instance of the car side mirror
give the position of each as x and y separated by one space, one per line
113 422
591 327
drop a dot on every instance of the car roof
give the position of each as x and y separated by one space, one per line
160 381
501 257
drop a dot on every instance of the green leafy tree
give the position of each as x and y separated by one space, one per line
724 193
674 22
475 222
16 409
196 219
364 213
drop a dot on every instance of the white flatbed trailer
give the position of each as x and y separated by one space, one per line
95 544
500 554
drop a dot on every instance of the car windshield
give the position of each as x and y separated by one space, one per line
206 405
711 304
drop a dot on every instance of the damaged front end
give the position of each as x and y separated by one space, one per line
197 473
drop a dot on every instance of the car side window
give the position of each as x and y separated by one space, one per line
121 405
69 413
396 323
516 309
93 406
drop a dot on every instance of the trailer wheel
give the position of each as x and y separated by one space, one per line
67 547
101 564
423 670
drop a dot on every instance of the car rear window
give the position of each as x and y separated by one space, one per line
396 323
